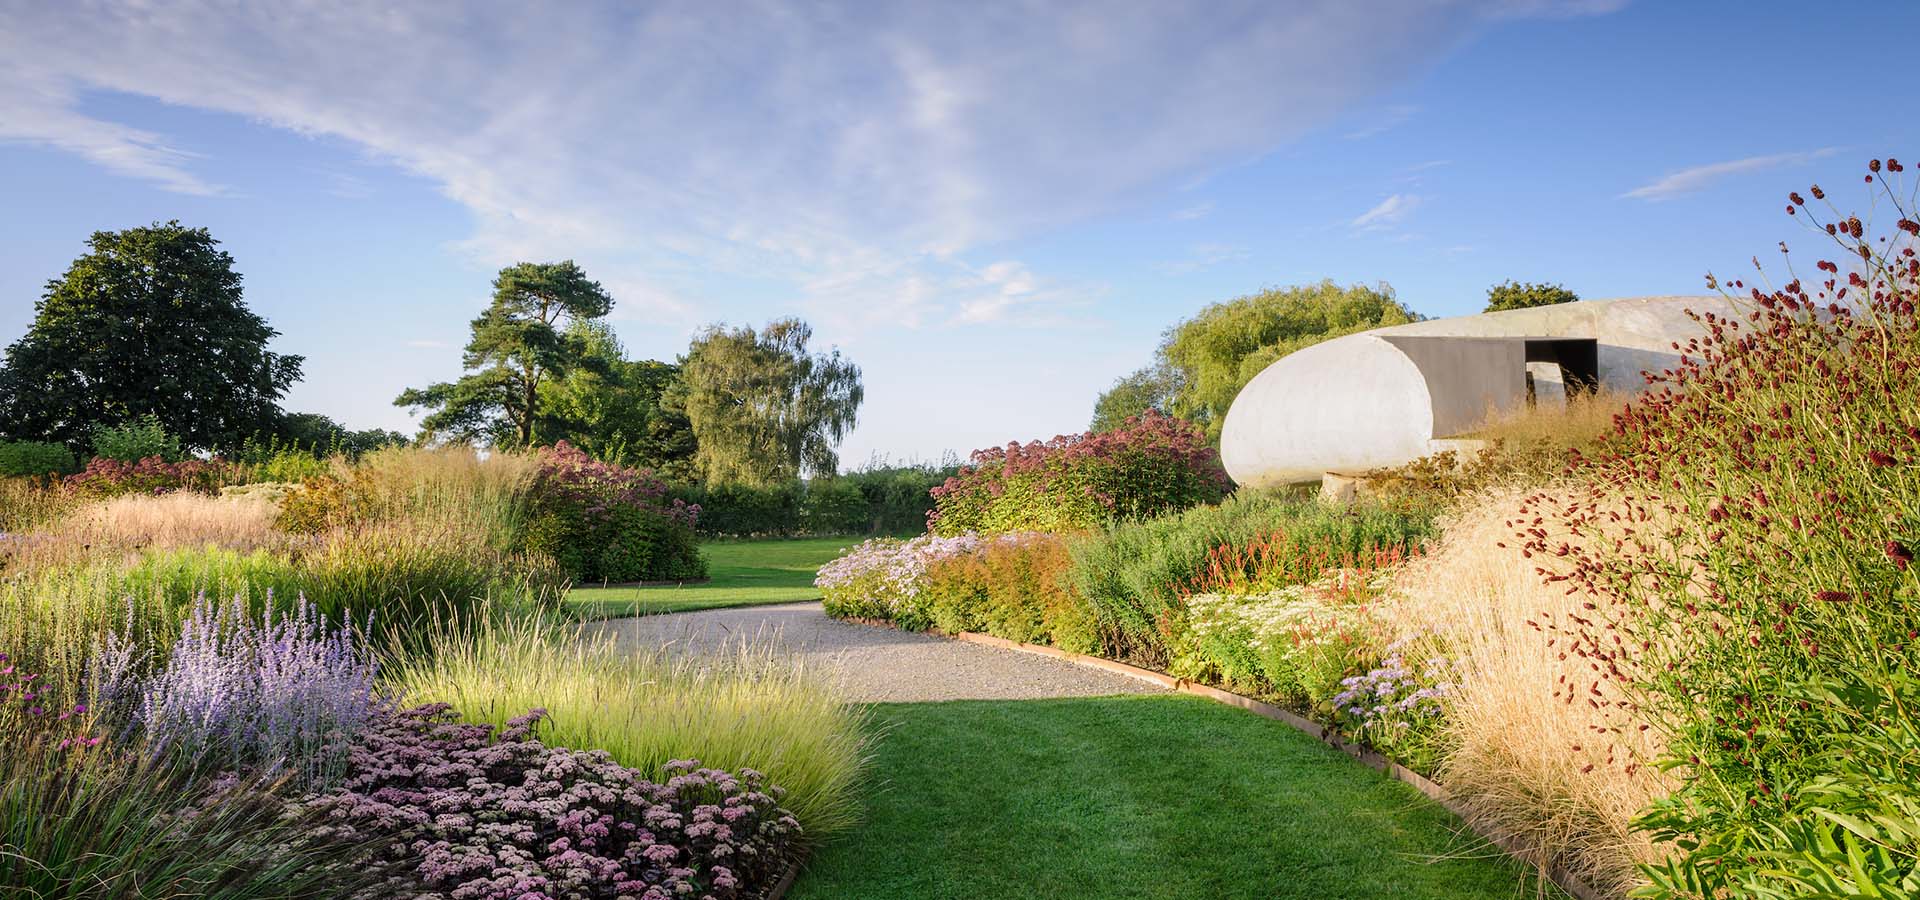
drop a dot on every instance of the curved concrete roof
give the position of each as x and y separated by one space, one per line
1392 395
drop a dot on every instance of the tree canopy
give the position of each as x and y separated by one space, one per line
522 341
1203 362
150 322
763 409
618 409
1526 295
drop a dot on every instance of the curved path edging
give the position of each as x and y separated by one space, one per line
1326 734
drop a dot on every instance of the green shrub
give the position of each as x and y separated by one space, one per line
1526 295
873 501
1149 466
1135 574
35 459
608 523
739 510
131 442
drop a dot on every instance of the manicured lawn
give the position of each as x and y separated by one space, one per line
744 573
1138 797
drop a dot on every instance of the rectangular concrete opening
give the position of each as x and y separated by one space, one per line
1561 368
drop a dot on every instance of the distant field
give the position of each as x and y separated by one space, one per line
745 573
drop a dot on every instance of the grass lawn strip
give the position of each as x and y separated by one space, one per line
744 573
1139 797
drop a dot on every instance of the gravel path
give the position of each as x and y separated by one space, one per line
880 664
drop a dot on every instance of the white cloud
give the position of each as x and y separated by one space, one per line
428 345
1698 178
855 151
1387 213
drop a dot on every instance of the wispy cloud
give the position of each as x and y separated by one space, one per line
1698 178
1193 213
857 152
1387 213
1384 121
428 345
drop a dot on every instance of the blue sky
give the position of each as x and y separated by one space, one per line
994 208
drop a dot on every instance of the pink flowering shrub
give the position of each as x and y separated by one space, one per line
604 522
1153 464
107 477
481 816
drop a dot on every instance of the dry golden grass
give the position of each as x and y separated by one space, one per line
453 486
1512 759
1580 422
174 520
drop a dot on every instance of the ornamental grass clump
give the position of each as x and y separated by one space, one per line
1153 464
476 814
750 706
1754 599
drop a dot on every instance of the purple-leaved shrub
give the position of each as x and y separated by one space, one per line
506 816
275 693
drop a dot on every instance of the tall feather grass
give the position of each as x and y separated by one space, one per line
1512 720
749 708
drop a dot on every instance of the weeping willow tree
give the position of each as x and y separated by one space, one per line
764 410
1203 362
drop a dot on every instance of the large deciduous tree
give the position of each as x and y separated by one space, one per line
764 410
150 322
618 409
1203 362
521 342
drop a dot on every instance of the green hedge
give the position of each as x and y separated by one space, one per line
875 501
35 458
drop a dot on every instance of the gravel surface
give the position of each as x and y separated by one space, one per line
880 664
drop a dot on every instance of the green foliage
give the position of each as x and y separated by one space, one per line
322 436
142 438
618 409
521 342
1151 389
404 579
1526 295
1137 574
763 409
149 322
1203 362
34 458
873 501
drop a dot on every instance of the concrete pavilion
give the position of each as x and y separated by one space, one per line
1392 395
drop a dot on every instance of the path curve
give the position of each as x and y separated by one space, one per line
878 664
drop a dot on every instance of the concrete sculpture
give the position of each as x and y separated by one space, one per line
1392 395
